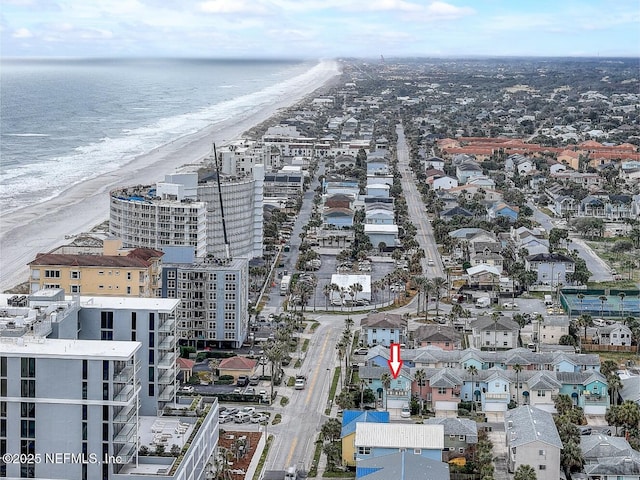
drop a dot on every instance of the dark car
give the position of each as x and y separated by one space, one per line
585 430
243 381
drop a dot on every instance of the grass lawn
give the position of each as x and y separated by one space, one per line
620 358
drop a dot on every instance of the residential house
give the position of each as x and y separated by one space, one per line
387 234
441 336
460 436
338 217
237 366
587 389
403 465
442 392
607 457
468 170
435 162
339 200
399 393
185 367
381 439
500 209
591 206
552 328
377 190
540 390
482 181
486 253
532 439
348 433
630 389
483 276
442 182
379 215
383 329
499 333
616 334
456 211
551 268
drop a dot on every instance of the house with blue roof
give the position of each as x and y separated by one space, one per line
348 433
405 465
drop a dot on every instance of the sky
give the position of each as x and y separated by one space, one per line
318 28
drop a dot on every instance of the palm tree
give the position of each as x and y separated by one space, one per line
385 379
419 283
326 290
495 316
473 371
525 472
354 289
615 384
628 415
603 299
213 365
363 385
428 290
622 295
571 457
275 353
517 368
581 298
420 376
341 347
585 321
439 284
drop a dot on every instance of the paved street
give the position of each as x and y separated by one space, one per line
417 212
600 271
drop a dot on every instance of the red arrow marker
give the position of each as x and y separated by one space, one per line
395 363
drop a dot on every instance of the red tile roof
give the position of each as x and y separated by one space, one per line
237 363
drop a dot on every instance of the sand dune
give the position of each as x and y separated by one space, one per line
42 227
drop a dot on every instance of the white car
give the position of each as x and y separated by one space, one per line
250 410
259 418
225 418
187 389
406 412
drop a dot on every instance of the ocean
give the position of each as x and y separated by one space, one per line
63 121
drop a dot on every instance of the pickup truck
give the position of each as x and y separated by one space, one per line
301 381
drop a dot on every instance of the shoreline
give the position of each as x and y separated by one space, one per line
43 226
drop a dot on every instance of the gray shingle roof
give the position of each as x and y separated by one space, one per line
528 424
402 466
457 426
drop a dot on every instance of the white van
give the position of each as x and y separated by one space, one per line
242 417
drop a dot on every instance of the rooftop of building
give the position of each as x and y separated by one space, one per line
397 435
161 305
528 424
65 348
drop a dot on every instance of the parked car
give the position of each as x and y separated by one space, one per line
362 351
243 381
187 389
250 410
254 380
237 390
250 391
585 430
225 418
406 412
259 418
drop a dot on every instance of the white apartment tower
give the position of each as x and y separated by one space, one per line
185 210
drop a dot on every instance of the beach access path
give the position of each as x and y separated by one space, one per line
42 227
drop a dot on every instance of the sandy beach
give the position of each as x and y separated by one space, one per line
42 227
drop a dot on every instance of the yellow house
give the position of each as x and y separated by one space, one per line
348 432
136 274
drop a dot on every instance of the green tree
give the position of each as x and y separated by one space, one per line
385 379
330 430
563 404
420 377
525 472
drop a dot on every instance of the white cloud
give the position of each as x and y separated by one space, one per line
233 6
395 5
442 10
22 33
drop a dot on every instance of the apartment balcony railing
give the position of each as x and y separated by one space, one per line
167 361
167 326
168 377
126 453
496 396
127 373
126 434
168 343
167 394
126 414
126 394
